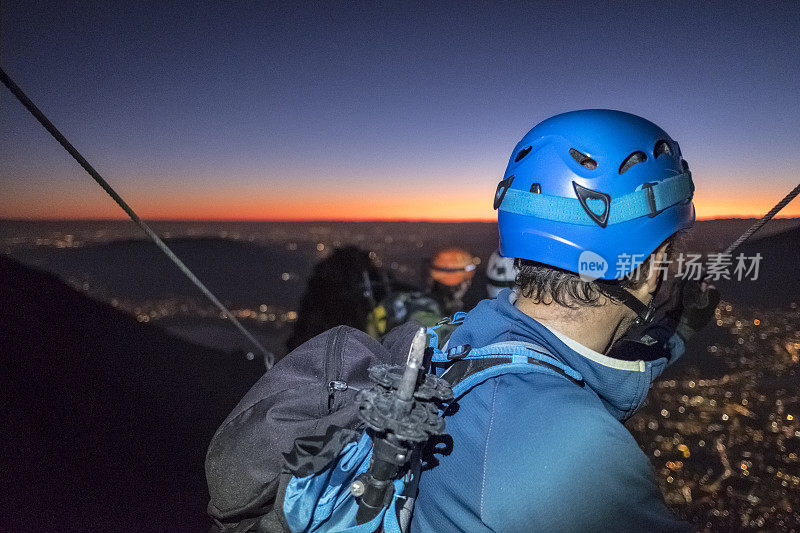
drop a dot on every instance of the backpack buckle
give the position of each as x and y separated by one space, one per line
458 353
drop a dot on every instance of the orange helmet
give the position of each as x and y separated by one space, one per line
452 266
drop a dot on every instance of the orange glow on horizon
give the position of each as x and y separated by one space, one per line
343 211
440 204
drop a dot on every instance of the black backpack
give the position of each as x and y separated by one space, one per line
310 390
300 422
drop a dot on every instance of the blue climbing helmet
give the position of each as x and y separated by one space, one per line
594 189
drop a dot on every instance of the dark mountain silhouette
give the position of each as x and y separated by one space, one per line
778 283
105 421
777 287
715 235
250 273
241 272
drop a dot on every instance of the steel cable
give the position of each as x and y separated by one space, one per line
30 106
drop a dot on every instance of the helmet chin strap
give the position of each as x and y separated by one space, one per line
644 313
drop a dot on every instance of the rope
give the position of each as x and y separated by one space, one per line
30 106
749 233
766 218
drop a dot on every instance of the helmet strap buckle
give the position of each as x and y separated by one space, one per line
651 198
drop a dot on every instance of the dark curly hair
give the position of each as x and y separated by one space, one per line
546 284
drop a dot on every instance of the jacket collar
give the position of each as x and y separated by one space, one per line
621 385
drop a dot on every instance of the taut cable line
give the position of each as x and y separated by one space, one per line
763 220
30 106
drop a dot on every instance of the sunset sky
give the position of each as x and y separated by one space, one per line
310 111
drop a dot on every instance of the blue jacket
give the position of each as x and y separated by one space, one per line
535 451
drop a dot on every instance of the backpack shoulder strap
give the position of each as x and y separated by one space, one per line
438 336
464 367
477 366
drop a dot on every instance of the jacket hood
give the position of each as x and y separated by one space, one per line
621 385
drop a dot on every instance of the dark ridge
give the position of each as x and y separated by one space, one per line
778 283
238 271
105 420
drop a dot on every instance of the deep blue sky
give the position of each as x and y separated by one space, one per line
263 110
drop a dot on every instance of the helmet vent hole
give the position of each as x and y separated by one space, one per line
536 188
662 147
522 153
633 159
583 159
